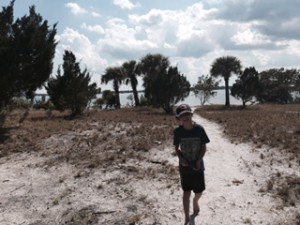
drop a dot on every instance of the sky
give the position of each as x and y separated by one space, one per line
192 34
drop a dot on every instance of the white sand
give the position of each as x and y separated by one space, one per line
235 175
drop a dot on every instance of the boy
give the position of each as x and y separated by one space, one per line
190 145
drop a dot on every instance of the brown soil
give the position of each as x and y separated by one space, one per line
118 167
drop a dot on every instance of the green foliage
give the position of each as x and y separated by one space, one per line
116 75
19 103
143 101
170 88
109 98
130 98
43 103
27 48
225 66
152 66
6 56
72 89
164 85
277 85
246 87
204 88
99 102
131 71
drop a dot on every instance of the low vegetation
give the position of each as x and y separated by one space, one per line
110 140
117 132
273 125
276 127
114 143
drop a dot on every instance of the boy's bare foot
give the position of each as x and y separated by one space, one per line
196 212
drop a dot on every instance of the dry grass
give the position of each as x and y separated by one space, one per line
101 138
272 125
275 126
108 140
105 137
102 141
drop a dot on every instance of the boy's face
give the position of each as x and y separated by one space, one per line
185 118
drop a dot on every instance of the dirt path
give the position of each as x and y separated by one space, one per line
34 193
235 176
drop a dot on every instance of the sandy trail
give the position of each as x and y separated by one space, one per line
32 194
235 174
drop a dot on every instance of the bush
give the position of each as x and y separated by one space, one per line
19 103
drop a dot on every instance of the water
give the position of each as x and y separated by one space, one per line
192 100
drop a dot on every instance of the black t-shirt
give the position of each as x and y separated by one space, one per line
190 142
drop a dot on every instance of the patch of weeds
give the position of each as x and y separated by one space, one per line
297 218
84 216
134 220
247 221
100 186
270 184
263 124
61 196
143 198
285 187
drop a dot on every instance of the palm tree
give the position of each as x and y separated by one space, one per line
114 74
246 87
130 71
151 66
225 66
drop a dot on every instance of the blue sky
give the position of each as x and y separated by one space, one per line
101 33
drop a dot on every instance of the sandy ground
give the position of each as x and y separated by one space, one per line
33 192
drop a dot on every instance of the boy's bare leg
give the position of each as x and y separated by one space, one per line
186 206
196 204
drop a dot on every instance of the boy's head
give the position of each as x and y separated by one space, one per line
183 110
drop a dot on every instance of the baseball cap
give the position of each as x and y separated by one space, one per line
183 109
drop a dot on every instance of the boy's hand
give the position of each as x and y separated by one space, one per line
183 161
197 165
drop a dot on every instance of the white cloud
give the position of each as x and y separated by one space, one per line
159 27
261 58
121 39
86 53
75 8
250 37
126 4
152 18
96 15
96 28
191 37
294 48
189 30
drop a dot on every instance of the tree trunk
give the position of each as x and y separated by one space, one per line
118 103
117 93
135 95
227 101
244 103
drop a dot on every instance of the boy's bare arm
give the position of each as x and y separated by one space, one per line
178 152
202 152
201 155
182 160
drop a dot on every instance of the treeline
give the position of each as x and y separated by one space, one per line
270 86
27 48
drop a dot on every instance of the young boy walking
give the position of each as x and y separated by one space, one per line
190 141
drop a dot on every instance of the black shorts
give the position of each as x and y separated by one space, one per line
193 181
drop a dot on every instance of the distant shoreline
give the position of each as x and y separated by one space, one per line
128 91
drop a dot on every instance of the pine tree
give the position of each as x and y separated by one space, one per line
72 89
27 48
